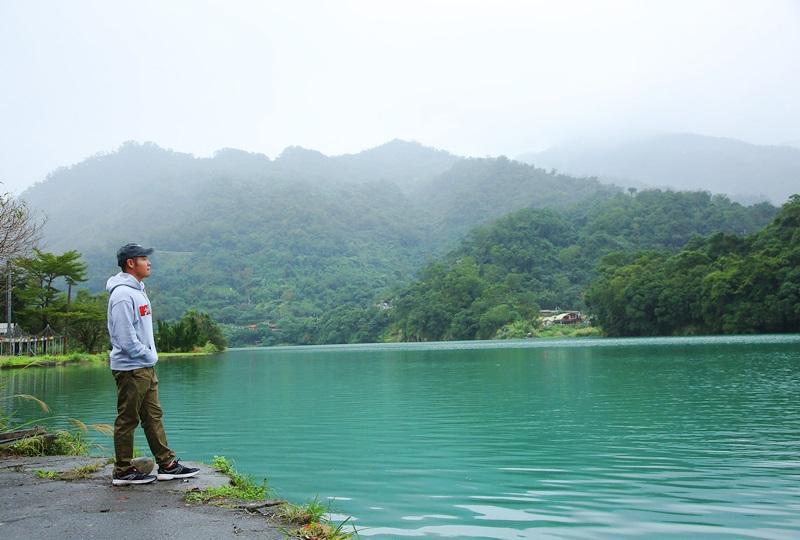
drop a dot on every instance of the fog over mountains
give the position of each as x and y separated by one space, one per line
745 172
310 244
306 230
141 188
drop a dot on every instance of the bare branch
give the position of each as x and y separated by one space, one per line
19 230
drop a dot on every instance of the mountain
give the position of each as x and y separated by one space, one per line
494 281
407 164
283 241
793 143
745 172
476 191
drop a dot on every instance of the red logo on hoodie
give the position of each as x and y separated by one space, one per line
144 310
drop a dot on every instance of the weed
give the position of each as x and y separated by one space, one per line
311 516
320 531
222 464
315 526
242 487
62 443
301 514
79 473
69 444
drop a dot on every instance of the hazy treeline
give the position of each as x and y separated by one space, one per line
497 279
398 242
291 245
719 284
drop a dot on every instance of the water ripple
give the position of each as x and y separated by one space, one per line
690 437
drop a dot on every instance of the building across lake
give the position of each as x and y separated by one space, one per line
560 316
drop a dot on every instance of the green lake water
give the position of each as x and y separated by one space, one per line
656 438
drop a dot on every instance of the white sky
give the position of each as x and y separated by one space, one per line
472 77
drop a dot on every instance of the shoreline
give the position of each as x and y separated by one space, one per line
81 501
19 362
33 505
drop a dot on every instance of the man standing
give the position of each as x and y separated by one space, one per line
133 359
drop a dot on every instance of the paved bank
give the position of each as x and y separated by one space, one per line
32 507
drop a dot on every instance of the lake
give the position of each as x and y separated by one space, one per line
599 438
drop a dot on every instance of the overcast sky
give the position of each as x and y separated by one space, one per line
475 78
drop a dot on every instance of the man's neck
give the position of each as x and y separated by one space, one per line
133 276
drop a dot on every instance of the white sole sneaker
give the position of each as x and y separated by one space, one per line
165 476
123 482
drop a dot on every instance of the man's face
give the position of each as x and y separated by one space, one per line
139 267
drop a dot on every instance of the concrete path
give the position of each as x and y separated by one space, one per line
34 508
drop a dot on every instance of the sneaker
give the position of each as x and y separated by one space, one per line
134 477
175 470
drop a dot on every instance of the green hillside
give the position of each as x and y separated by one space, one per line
477 191
296 249
496 280
719 284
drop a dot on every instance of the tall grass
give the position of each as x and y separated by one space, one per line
61 442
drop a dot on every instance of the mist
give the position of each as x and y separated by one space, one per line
472 78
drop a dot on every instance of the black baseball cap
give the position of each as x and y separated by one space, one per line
131 251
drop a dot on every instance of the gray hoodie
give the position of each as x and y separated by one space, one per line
130 324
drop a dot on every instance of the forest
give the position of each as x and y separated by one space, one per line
720 284
495 282
400 242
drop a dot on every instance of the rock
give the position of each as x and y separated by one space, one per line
144 465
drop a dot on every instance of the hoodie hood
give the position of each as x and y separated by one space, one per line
124 278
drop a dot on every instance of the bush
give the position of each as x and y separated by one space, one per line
61 443
194 330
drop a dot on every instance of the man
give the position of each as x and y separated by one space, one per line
133 359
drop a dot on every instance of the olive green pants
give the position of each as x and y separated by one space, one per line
137 400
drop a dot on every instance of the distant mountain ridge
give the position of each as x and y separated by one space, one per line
743 171
251 238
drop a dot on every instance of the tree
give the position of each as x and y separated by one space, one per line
19 232
722 284
42 271
195 329
87 318
19 229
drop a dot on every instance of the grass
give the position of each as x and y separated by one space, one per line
308 519
320 531
564 330
60 443
242 487
50 360
78 473
302 514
